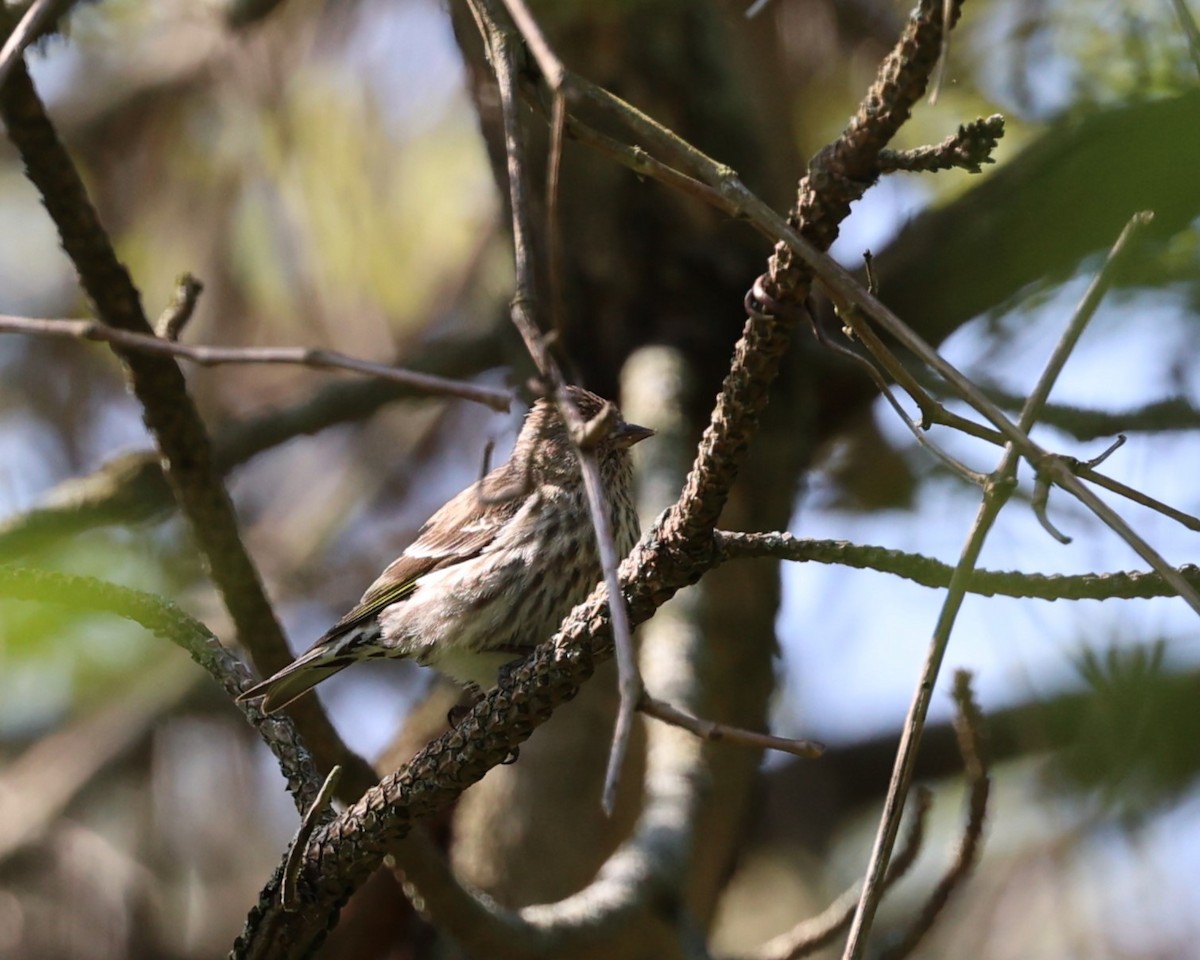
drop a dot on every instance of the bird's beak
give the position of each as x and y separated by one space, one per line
630 433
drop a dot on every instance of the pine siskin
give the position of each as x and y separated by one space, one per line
494 571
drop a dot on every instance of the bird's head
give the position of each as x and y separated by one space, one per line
545 441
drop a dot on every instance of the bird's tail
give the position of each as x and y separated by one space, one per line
298 677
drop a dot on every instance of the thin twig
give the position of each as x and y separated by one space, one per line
131 487
933 412
928 572
547 61
644 165
553 226
1173 414
178 313
916 429
1137 496
816 932
629 680
500 41
1040 502
28 29
1037 456
968 727
712 731
967 149
208 356
996 494
313 817
939 72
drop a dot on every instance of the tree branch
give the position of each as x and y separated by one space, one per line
165 620
928 572
501 39
208 356
167 409
968 725
131 487
996 494
671 555
812 934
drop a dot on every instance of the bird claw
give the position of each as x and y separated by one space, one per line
456 714
506 670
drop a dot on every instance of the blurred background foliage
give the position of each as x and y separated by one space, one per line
322 170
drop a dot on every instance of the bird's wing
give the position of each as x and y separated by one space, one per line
460 530
464 527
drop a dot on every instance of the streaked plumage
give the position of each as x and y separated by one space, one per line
493 572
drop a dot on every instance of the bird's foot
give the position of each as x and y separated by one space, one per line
506 670
457 713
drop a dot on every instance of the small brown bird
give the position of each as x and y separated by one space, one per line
494 571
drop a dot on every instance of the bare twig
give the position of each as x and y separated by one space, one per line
207 356
178 313
944 53
313 817
995 496
1041 489
547 61
816 932
131 487
553 226
500 41
713 731
1059 472
1129 493
33 22
968 726
644 165
1040 502
1173 414
915 391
